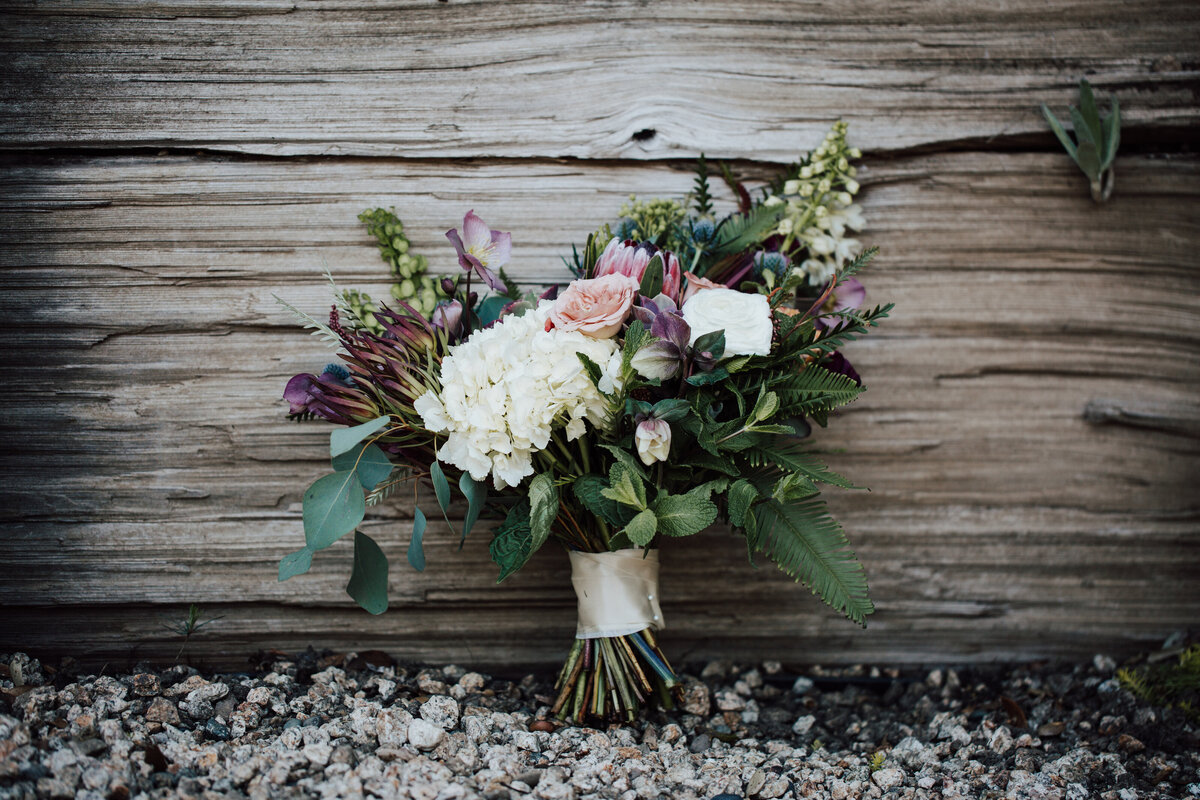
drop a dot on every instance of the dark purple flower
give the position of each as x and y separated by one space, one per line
480 248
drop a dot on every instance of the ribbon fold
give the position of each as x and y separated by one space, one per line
617 593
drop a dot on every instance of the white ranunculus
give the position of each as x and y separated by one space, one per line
745 318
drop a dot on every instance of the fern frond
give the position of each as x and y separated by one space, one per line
808 545
815 388
739 232
318 328
771 451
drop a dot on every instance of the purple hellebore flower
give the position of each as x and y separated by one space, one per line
664 357
448 316
480 248
647 310
849 293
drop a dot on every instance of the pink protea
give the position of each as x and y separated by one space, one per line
627 258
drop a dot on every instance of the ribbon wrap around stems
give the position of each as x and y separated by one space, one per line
617 592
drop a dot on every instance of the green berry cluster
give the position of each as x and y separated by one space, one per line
412 286
652 218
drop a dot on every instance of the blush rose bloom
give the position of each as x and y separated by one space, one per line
695 283
653 440
596 307
745 318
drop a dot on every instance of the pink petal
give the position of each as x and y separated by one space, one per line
501 249
476 233
850 293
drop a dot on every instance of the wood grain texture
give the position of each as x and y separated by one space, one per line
593 79
1029 437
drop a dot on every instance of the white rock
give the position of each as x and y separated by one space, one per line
424 735
441 711
803 725
888 778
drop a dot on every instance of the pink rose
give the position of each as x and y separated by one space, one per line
595 307
695 283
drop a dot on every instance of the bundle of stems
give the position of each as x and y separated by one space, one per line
613 678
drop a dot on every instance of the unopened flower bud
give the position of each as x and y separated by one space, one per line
653 440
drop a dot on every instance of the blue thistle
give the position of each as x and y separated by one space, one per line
774 261
337 371
626 228
703 230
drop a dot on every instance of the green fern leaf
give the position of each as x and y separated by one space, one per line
793 458
808 545
741 231
816 388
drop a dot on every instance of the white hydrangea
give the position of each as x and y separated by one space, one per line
508 387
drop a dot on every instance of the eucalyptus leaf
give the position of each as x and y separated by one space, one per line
707 378
671 410
441 486
294 564
369 461
1089 112
343 439
476 494
1088 159
1112 135
416 547
369 578
333 506
1083 131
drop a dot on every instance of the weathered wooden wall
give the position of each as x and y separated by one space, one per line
1032 433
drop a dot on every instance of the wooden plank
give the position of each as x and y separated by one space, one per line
1003 521
588 80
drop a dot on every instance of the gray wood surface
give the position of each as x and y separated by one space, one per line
583 79
1031 435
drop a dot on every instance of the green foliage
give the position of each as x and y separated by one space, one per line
653 219
369 578
370 462
877 760
343 439
1168 685
739 232
412 285
589 491
294 564
625 487
416 545
742 496
684 515
1096 140
441 486
808 545
512 542
815 389
652 278
543 505
793 457
476 494
641 528
333 506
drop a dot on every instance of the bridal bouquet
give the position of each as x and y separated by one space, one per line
671 385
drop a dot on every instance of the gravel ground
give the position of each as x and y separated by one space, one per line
358 725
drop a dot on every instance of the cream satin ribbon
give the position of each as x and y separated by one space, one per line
617 591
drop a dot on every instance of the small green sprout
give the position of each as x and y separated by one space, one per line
1096 140
877 761
189 625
